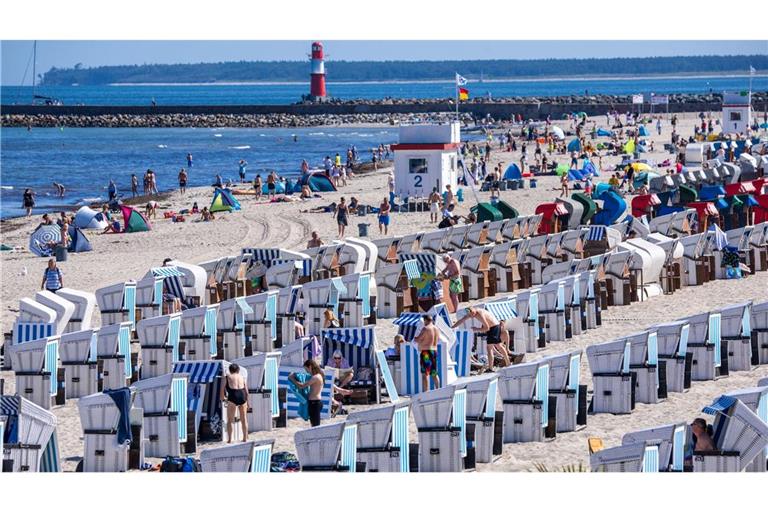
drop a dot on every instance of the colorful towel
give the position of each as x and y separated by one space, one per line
302 395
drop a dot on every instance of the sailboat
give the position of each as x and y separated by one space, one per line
38 99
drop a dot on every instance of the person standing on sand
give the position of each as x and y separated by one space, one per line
153 183
491 327
452 272
564 185
52 279
234 394
28 201
434 205
272 185
183 181
134 185
241 169
257 187
426 341
315 385
342 213
450 199
384 209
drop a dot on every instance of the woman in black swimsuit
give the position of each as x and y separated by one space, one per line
342 211
235 394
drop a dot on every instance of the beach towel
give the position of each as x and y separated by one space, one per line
302 395
122 399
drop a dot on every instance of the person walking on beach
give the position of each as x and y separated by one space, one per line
257 187
28 201
183 181
449 198
491 327
452 272
241 169
342 213
189 160
434 205
272 185
52 279
134 185
384 209
234 394
315 385
153 182
564 185
426 341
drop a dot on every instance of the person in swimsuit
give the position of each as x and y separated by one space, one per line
272 185
452 272
426 341
315 385
235 395
491 327
182 181
384 209
341 216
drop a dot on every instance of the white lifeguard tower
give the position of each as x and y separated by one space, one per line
426 157
737 112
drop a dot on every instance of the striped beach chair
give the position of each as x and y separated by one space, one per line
29 433
672 340
230 327
756 399
670 440
638 457
117 303
328 447
106 446
78 354
262 371
395 293
709 360
149 297
193 280
84 303
249 457
204 381
759 328
317 296
291 361
356 299
159 339
382 437
198 333
736 336
164 402
113 349
36 365
357 346
612 381
440 417
261 323
571 398
650 386
524 390
481 401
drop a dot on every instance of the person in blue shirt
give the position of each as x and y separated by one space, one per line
52 279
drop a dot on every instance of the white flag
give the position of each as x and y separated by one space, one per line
752 71
460 80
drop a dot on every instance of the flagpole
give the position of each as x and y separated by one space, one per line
456 84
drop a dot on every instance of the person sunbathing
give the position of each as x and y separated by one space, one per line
346 372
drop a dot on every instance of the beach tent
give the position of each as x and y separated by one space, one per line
318 182
589 168
86 218
513 173
575 175
279 188
642 131
561 169
79 242
643 178
43 238
601 132
629 147
558 132
599 189
224 201
614 207
574 145
134 221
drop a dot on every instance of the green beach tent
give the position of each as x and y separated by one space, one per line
134 220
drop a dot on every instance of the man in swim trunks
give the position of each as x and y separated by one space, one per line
426 341
384 209
491 327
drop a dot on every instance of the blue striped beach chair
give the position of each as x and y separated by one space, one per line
293 400
759 325
193 280
25 331
481 399
736 336
262 375
571 403
330 447
628 458
409 364
84 302
164 401
230 325
198 332
249 457
440 417
204 381
672 340
78 355
644 364
29 435
36 364
524 390
113 349
261 323
670 441
117 303
382 437
159 339
709 360
173 278
612 380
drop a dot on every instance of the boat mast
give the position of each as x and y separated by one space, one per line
34 70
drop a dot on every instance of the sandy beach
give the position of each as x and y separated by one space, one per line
261 224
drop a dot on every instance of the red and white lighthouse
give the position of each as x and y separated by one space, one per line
317 83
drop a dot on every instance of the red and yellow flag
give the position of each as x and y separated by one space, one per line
463 94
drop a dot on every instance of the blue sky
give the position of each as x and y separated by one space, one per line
15 55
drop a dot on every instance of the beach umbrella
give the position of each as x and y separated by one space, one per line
41 241
558 132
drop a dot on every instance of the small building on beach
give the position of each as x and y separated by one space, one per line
737 112
426 157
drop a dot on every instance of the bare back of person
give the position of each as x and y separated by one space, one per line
428 337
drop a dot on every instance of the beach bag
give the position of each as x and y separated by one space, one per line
733 273
180 465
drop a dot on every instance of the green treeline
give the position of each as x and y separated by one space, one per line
294 71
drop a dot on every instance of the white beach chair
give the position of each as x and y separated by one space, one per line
736 336
476 269
433 241
261 324
627 458
536 257
230 327
164 402
117 303
249 457
63 308
670 440
78 355
84 303
386 250
288 302
589 294
105 449
759 324
149 297
571 397
756 399
262 380
508 270
198 333
355 301
617 277
672 272
382 437
648 264
194 280
514 229
283 275
482 398
650 386
552 309
159 339
394 292
524 390
696 259
327 447
410 243
440 417
317 296
493 231
477 234
370 250
672 340
36 364
612 382
352 258
113 349
572 243
33 434
709 360
457 237
531 333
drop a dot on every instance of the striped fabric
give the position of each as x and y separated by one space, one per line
678 448
721 405
157 293
461 352
271 377
293 303
364 293
682 347
174 333
124 348
242 309
262 459
28 331
596 233
263 255
389 383
199 372
714 336
542 392
490 398
129 302
356 345
349 448
174 286
49 462
292 402
502 310
306 265
2 438
411 268
426 262
270 314
51 363
400 437
574 374
459 418
179 405
410 378
171 271
209 328
651 459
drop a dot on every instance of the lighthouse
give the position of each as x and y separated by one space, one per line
317 83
